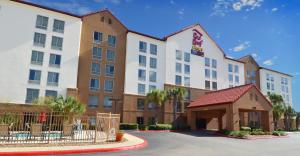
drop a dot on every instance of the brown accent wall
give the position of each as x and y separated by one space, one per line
251 65
12 107
90 24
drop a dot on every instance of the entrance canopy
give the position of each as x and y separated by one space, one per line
221 109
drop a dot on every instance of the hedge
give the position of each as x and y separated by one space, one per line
246 129
128 126
160 127
143 127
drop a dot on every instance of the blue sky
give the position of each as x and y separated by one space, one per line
266 29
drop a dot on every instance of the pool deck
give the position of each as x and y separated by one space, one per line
132 142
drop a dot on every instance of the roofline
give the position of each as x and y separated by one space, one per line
142 34
46 8
250 57
103 10
276 71
229 88
232 102
179 31
234 59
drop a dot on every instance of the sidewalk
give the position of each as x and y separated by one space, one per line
131 143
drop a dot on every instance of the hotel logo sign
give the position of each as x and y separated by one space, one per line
197 43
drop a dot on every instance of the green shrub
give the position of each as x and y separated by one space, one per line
238 134
279 133
128 126
225 132
160 127
143 127
246 129
257 132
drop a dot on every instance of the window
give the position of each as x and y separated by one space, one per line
108 85
107 102
95 68
51 93
93 101
207 62
230 68
92 121
268 77
178 55
152 76
58 26
214 85
214 74
230 77
153 63
31 95
34 76
109 70
143 46
207 73
178 80
236 68
187 57
54 60
109 21
186 81
237 79
178 67
57 43
97 53
142 60
151 106
153 49
140 104
141 89
140 120
112 40
272 86
179 108
187 69
94 84
268 86
251 96
37 57
151 87
53 78
39 39
97 37
142 75
256 97
41 22
207 85
110 55
214 63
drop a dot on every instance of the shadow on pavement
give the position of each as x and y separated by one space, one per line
201 133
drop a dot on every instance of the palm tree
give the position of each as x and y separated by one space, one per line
177 95
288 115
158 97
278 107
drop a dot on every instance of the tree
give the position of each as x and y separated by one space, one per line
66 106
278 107
177 95
288 116
158 97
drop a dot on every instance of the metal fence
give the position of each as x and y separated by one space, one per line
53 127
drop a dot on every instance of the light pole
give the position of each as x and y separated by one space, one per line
115 100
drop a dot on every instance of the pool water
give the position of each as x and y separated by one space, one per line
25 135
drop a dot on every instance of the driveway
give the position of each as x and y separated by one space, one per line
204 144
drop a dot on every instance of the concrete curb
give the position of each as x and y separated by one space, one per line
254 138
78 151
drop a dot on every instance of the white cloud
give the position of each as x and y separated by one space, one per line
241 46
270 62
116 2
172 2
231 57
181 12
296 74
218 35
274 9
255 56
223 7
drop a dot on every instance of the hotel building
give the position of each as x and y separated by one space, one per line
110 68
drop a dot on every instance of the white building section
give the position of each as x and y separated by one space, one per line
38 53
278 83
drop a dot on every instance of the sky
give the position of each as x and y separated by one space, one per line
269 30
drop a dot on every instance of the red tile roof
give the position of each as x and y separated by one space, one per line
225 96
